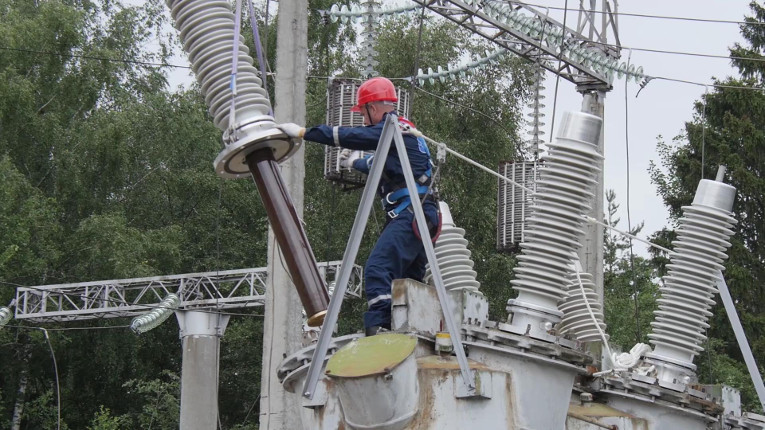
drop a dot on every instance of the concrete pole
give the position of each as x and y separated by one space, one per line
200 336
282 331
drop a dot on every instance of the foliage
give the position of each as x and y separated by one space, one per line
727 129
160 399
103 420
41 413
629 288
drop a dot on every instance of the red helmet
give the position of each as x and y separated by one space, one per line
375 90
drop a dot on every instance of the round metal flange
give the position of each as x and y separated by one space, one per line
231 162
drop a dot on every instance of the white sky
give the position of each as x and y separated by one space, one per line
662 107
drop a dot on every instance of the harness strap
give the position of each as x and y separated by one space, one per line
401 199
394 196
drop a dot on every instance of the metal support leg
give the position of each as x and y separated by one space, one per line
390 132
738 330
422 226
349 257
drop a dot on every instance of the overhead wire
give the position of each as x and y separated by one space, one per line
93 57
516 184
635 289
641 15
160 65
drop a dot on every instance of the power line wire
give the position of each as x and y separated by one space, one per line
642 15
92 57
659 51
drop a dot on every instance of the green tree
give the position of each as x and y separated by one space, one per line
727 129
628 283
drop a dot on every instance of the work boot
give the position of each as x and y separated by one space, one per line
375 329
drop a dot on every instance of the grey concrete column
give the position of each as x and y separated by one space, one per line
282 330
200 335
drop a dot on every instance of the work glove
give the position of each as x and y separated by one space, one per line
292 130
348 156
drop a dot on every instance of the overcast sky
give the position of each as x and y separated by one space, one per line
662 107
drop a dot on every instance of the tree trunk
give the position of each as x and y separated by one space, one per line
18 408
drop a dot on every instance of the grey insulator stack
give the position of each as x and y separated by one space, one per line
576 315
564 193
699 250
453 256
156 316
5 315
207 32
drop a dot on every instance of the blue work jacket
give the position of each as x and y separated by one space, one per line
366 139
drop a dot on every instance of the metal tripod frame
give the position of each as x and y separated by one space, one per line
390 132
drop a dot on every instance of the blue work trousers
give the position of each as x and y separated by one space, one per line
398 254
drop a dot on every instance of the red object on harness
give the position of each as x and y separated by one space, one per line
438 229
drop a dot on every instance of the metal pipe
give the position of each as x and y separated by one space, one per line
738 331
290 235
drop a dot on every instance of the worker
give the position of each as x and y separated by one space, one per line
399 252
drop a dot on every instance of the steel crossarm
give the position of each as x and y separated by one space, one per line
225 289
501 32
390 132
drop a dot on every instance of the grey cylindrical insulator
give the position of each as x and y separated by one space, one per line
453 256
576 316
689 286
156 316
207 33
555 225
5 315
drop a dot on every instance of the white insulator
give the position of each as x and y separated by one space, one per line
576 314
690 283
453 256
207 30
156 316
5 315
555 225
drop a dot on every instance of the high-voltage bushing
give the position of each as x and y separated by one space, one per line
576 308
514 203
453 256
341 97
253 145
555 226
207 33
689 286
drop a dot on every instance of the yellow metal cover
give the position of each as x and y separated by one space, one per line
371 355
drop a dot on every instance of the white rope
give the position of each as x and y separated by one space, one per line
603 338
441 145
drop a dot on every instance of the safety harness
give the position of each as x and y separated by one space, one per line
400 200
